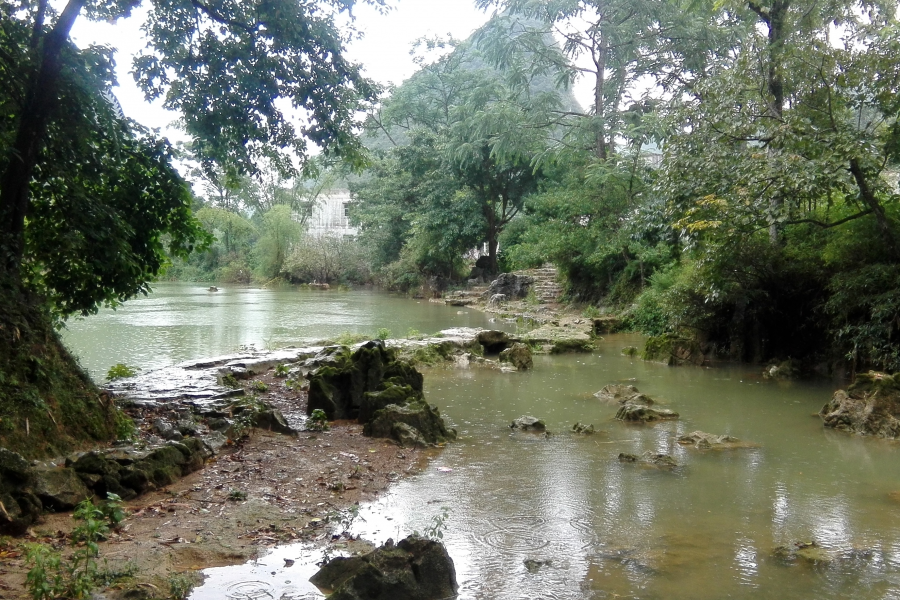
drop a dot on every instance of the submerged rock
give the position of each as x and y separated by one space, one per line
528 423
519 356
414 569
640 413
623 394
651 459
870 406
809 553
709 441
582 429
783 370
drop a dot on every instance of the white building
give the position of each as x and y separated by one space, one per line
330 215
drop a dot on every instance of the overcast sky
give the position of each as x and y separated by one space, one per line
383 51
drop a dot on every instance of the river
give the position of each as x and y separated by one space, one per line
598 528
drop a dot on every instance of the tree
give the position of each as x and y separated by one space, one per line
473 133
90 203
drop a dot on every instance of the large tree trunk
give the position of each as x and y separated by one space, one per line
40 102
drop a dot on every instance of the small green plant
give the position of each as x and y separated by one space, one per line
259 386
413 333
181 584
125 427
237 495
318 420
531 298
383 333
229 380
52 577
591 312
120 371
282 370
348 339
435 529
292 384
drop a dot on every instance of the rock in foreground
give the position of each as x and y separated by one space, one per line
871 406
414 569
649 459
528 423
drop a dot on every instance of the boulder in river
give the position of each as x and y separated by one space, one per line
413 569
650 459
519 356
528 423
339 386
639 413
493 341
709 441
870 406
623 394
395 422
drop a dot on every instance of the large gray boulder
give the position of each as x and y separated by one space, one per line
60 489
414 569
510 285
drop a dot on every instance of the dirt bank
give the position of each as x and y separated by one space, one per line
265 490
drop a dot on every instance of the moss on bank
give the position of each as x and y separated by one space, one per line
48 403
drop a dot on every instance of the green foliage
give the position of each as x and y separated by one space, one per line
120 371
125 427
435 528
348 338
383 333
327 259
282 370
237 495
259 386
229 380
318 421
591 312
181 584
51 576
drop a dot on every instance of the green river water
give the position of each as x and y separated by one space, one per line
706 530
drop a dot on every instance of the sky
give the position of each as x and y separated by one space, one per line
384 51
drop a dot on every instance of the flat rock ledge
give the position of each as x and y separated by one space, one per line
870 406
27 490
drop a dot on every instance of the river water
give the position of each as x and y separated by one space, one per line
599 528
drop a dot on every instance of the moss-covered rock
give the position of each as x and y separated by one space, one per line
414 569
672 350
339 386
870 406
421 416
519 356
